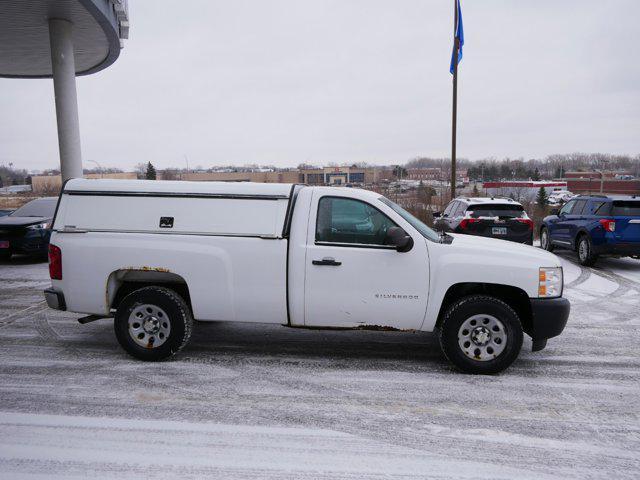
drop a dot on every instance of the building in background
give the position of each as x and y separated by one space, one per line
605 182
344 176
436 174
313 176
604 186
425 174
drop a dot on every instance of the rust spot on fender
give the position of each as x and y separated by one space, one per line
155 269
148 269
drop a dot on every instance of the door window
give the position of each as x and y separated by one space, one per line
577 208
345 220
566 210
459 211
626 208
592 208
603 209
447 210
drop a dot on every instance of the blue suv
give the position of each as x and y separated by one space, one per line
595 225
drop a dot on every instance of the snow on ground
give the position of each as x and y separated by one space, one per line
109 447
252 401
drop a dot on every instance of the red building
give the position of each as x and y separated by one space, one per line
607 185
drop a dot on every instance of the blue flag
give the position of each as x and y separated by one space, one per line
460 36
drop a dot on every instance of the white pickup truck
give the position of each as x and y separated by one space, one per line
157 255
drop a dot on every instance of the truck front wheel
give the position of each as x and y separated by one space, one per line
481 334
153 323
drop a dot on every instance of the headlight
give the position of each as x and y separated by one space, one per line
39 226
550 282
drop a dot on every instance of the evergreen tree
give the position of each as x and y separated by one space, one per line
400 172
542 200
536 175
151 172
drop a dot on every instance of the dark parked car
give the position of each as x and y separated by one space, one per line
487 217
26 230
595 225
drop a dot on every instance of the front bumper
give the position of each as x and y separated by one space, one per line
55 299
549 317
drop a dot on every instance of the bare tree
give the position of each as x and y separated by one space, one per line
141 170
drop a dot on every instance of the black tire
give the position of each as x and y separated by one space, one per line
545 245
586 256
178 316
466 308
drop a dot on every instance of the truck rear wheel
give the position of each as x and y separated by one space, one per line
153 323
481 334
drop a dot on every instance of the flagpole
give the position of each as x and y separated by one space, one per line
454 120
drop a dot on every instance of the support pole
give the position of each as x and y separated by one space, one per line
64 85
454 120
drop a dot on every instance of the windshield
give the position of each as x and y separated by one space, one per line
626 209
425 231
43 207
496 210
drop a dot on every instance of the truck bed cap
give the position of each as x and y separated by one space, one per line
112 186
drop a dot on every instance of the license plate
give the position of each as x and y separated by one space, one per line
4 244
499 230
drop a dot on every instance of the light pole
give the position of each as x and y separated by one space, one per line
601 172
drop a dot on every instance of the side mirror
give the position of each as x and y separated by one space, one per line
555 211
437 214
400 239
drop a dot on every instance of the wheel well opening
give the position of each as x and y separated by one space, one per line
122 282
515 297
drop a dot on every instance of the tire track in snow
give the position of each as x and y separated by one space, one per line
585 273
247 370
395 435
9 319
625 285
48 333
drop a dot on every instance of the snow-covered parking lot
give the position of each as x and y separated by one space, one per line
252 401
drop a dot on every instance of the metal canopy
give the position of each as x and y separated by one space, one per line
98 26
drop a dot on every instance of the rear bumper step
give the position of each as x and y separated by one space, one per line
55 299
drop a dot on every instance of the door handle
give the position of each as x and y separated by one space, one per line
327 261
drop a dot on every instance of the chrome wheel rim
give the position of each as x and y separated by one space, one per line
149 326
482 337
583 250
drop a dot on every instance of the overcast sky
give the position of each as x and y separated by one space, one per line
289 81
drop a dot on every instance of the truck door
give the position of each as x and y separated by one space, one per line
353 276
